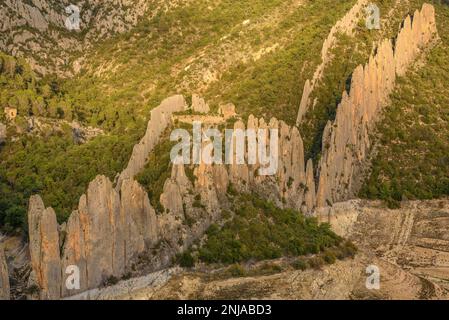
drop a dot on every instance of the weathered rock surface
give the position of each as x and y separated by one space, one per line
44 248
103 237
4 276
38 26
345 25
346 142
112 226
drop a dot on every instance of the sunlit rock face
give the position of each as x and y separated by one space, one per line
346 142
113 225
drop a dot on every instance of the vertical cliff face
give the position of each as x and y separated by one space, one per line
346 26
4 276
103 237
346 142
44 248
199 104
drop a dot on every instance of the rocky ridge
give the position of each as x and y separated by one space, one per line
346 26
346 143
113 226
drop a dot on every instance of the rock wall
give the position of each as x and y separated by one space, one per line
161 118
346 26
38 26
346 142
4 276
112 227
44 248
102 238
290 186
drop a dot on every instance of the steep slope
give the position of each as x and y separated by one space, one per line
37 29
116 93
118 227
411 161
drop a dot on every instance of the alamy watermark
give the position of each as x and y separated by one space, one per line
73 277
372 17
72 22
373 279
242 146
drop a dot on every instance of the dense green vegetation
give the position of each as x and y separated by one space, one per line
272 87
260 231
142 67
156 171
50 164
57 169
20 89
412 160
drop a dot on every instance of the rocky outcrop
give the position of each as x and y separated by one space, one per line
38 26
161 118
417 31
103 237
4 276
44 248
346 142
345 25
2 133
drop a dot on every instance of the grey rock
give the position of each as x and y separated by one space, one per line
44 248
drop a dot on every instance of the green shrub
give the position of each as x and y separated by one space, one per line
316 262
261 231
236 270
329 257
186 260
300 264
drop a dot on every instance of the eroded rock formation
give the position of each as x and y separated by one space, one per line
44 248
113 226
107 232
346 26
346 142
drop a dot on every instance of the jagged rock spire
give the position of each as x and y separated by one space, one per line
346 142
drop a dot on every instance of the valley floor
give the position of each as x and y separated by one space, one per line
409 246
